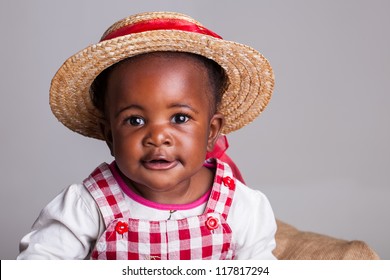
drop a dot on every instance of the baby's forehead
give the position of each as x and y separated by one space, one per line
161 80
167 72
158 67
151 67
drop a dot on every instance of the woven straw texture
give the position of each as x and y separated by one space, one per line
292 244
250 76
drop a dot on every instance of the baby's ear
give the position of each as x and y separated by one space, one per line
107 134
216 124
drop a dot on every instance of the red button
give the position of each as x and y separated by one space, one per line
212 223
121 227
229 182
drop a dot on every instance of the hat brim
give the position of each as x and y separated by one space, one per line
250 76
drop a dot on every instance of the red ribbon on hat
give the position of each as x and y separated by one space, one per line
160 24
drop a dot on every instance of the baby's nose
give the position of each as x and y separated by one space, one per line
158 135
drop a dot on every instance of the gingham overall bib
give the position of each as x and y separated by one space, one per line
207 236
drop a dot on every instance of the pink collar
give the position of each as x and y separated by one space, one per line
151 204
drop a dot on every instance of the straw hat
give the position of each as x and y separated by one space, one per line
250 76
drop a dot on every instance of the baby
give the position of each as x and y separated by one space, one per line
160 89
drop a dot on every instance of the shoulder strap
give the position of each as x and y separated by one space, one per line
222 193
107 194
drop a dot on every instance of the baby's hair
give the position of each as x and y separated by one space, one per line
216 74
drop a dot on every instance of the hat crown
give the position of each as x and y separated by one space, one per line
156 17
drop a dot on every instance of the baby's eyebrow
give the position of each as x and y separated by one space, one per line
182 105
173 105
132 106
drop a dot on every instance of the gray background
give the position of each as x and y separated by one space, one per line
320 151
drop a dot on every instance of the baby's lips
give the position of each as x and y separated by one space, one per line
157 157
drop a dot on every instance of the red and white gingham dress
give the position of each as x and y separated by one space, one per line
207 236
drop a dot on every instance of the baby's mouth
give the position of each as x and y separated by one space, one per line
159 164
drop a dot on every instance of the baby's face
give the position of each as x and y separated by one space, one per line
159 125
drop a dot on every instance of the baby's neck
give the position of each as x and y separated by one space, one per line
183 194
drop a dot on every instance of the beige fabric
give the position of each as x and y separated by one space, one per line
293 244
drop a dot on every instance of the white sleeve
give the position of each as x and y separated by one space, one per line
66 228
253 224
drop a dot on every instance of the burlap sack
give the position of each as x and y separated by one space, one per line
293 244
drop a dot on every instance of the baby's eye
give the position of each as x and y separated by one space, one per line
135 121
180 118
